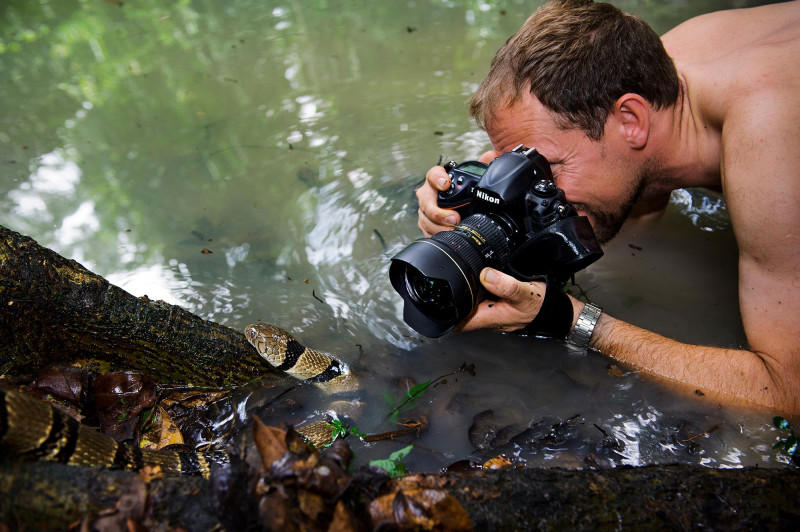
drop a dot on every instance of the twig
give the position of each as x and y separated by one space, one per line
709 431
464 367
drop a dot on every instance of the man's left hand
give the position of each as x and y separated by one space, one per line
518 305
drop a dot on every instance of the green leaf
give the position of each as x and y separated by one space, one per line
337 430
385 464
398 455
418 390
780 423
393 465
790 442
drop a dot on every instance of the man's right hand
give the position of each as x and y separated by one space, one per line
432 219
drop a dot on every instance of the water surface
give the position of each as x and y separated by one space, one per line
256 161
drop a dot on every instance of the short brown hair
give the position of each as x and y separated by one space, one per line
578 57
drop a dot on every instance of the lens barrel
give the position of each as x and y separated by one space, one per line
437 277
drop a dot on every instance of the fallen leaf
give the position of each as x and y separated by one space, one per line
149 473
419 509
270 442
311 504
615 371
62 382
119 399
169 434
343 520
498 462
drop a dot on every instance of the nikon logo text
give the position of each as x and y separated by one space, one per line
486 197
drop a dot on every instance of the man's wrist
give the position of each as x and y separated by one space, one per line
581 333
554 319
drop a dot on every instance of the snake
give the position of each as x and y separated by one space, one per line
281 350
36 430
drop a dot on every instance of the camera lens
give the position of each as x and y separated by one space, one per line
438 277
431 295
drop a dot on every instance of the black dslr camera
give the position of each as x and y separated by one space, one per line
513 218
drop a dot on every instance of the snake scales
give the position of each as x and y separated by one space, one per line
281 350
34 429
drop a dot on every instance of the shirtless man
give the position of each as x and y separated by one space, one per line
593 90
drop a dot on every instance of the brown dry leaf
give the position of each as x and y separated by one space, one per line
343 520
119 399
149 473
151 431
62 382
380 511
193 398
615 371
409 510
422 481
276 511
311 504
419 509
270 442
169 434
498 462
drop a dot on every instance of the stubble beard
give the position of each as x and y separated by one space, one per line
608 222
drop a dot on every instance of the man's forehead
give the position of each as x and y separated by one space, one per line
524 121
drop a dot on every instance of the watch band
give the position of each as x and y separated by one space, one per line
582 332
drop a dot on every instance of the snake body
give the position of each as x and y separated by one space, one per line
285 353
34 429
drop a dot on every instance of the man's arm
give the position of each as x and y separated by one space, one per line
728 375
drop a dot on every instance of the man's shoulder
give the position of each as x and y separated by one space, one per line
716 34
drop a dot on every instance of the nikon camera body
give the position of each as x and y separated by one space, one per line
513 218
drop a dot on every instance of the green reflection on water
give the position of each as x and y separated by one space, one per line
195 110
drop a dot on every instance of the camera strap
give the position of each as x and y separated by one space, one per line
555 316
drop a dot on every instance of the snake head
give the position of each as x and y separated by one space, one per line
270 341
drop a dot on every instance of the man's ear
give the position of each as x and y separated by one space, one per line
631 120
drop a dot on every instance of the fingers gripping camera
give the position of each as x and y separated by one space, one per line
514 219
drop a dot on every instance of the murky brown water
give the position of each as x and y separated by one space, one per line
287 138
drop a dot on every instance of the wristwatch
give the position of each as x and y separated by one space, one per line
582 332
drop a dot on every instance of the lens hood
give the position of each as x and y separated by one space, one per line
437 263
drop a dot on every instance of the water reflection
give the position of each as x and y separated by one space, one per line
252 163
706 209
55 174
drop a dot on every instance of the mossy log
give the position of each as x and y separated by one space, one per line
674 497
50 496
53 496
54 309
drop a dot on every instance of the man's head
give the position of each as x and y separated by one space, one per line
582 83
578 57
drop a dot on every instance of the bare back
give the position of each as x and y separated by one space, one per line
729 57
741 70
